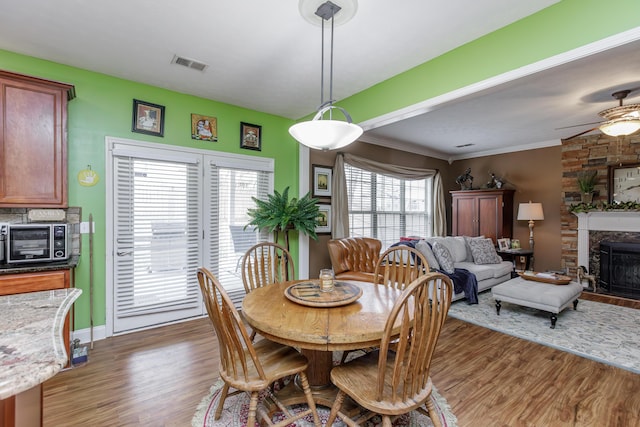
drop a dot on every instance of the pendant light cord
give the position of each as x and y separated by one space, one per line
330 101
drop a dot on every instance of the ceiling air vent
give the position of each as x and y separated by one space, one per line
464 145
189 63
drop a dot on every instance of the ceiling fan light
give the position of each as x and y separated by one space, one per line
325 134
620 127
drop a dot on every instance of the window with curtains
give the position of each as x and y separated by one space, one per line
388 208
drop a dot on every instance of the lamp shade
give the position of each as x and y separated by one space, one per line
325 134
530 211
622 126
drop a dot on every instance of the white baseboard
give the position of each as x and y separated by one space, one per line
84 335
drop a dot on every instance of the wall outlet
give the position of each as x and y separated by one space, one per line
84 227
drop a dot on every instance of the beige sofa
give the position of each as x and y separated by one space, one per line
487 266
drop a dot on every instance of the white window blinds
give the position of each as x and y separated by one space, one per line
387 208
157 238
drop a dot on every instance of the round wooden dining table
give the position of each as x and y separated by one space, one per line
319 331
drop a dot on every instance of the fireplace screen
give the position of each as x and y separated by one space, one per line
620 268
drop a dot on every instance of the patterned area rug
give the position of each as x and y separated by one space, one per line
236 408
602 332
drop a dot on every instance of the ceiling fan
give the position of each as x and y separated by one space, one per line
618 121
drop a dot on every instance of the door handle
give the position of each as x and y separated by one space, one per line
123 253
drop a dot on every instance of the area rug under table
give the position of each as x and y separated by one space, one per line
236 409
602 332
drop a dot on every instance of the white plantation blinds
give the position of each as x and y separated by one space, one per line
231 191
387 208
175 209
157 236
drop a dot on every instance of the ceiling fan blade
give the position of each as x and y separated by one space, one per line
582 124
579 134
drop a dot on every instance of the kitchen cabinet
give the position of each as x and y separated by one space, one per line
33 141
482 213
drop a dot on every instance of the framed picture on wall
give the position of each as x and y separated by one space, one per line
250 136
624 183
204 128
322 181
324 219
147 118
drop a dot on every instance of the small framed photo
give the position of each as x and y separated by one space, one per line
148 118
204 128
624 183
503 244
324 219
322 181
250 136
515 244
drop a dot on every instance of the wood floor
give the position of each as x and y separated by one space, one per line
158 377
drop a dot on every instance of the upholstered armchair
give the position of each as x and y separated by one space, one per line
354 258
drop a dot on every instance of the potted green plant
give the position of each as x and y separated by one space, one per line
279 214
586 182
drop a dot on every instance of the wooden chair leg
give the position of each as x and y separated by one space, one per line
433 414
253 407
336 407
312 404
223 397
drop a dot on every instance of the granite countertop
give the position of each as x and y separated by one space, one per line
36 267
31 345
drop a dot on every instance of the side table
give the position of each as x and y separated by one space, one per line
514 255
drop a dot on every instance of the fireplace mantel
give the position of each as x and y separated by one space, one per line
603 221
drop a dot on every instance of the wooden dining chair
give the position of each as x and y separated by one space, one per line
266 263
400 265
394 382
251 367
397 267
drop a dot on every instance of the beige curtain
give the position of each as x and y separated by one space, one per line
340 203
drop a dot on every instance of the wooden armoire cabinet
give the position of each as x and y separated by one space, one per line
482 213
33 141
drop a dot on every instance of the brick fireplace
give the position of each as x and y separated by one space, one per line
594 152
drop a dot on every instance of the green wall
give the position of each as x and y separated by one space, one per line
103 105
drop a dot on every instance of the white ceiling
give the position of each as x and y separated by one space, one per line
264 56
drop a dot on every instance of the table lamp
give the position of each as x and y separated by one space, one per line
530 212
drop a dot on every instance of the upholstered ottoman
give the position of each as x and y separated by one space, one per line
542 296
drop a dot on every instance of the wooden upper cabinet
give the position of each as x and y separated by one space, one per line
33 141
482 213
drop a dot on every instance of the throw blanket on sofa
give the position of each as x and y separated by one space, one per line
463 280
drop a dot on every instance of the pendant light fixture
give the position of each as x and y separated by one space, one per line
320 133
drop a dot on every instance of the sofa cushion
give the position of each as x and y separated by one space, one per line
467 239
458 248
443 256
481 271
484 252
425 249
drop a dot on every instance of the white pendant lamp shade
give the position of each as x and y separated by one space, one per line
326 134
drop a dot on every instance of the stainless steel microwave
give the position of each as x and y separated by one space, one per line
30 243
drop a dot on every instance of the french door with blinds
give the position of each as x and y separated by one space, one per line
175 210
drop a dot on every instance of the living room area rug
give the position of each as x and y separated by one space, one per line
602 332
236 409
